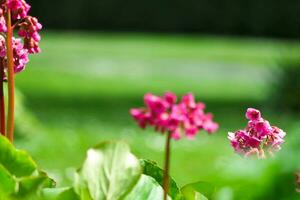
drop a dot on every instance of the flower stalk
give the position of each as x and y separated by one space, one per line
14 52
2 101
166 181
10 78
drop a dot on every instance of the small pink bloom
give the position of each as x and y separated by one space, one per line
136 113
191 131
140 117
210 126
19 8
156 104
2 48
3 27
189 101
170 98
263 127
176 134
253 114
200 106
29 30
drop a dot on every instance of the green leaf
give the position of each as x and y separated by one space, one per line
198 191
109 172
146 189
150 168
7 183
32 186
199 196
59 194
17 162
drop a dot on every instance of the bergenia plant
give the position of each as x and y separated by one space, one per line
258 138
14 52
173 119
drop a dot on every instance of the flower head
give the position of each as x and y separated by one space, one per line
187 117
28 29
257 137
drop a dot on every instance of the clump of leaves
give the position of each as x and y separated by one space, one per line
109 172
19 176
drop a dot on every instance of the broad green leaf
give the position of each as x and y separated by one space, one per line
199 196
198 191
146 189
31 186
109 172
150 168
59 194
7 183
17 162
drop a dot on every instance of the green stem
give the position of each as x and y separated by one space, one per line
2 102
10 78
166 180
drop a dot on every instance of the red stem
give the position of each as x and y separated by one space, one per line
10 78
2 103
167 166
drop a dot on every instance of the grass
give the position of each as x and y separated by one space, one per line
81 87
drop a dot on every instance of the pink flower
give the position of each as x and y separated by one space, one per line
242 142
189 101
210 126
253 114
257 137
31 45
170 98
2 48
19 8
3 27
20 55
28 28
156 104
187 117
263 128
176 134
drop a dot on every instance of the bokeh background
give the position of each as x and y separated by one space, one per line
99 57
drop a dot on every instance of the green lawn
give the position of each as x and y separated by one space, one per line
80 88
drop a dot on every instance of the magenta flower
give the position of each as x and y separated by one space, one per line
19 8
259 136
20 55
3 27
185 118
28 29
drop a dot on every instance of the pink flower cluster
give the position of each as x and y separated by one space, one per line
28 29
187 117
259 136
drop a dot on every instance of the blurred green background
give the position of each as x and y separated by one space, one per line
79 90
99 58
